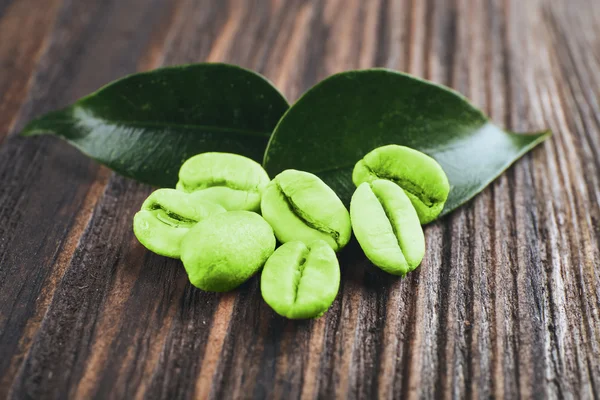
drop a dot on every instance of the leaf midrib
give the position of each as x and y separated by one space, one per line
168 125
540 136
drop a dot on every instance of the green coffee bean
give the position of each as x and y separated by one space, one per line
223 251
300 281
300 206
166 217
421 177
231 180
387 227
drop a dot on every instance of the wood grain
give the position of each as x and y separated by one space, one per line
505 305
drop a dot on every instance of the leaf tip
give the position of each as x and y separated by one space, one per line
35 128
541 136
31 130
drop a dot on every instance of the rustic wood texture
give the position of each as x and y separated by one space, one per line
505 305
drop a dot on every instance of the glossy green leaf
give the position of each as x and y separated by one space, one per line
146 125
339 120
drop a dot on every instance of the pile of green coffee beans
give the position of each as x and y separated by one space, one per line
211 222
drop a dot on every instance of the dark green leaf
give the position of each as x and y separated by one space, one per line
338 121
145 125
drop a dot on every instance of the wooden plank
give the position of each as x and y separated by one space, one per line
48 188
106 362
24 39
506 303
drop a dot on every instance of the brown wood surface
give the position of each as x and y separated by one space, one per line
505 305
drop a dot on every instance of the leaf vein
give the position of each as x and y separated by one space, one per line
214 128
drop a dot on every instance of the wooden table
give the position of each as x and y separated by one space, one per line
506 303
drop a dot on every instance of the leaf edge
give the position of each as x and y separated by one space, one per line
541 137
455 92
